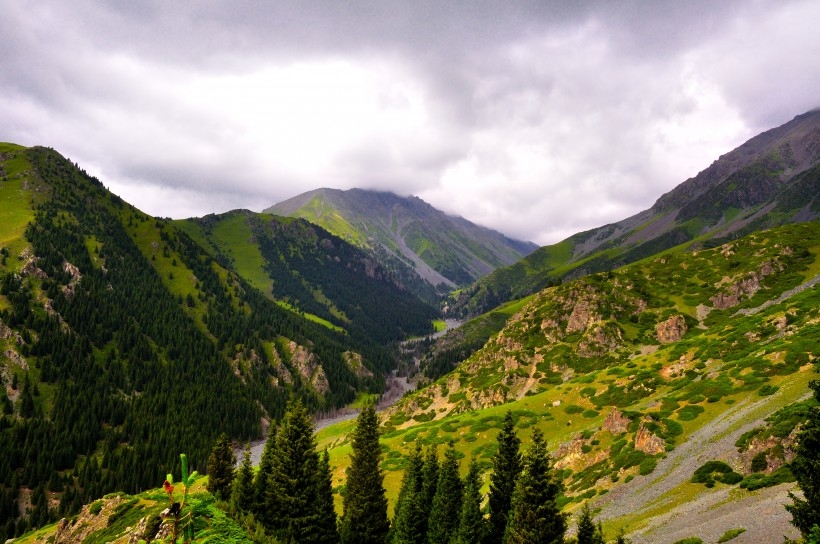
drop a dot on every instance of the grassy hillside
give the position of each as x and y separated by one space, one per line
638 378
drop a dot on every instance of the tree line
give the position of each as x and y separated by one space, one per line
290 498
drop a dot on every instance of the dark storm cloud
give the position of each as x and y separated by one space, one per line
538 118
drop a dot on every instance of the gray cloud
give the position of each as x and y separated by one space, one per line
539 119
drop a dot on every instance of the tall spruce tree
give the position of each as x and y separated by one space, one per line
506 471
364 518
261 481
535 517
243 496
324 530
472 528
294 495
446 505
409 521
806 469
220 468
588 532
430 477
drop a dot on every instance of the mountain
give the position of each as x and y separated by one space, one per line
125 339
770 180
669 389
407 234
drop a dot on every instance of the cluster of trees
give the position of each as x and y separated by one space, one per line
291 500
121 373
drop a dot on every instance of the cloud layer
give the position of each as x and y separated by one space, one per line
539 119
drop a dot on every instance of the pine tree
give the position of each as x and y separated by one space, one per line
364 518
324 529
535 517
506 471
243 495
472 528
446 505
806 469
588 532
221 464
409 521
262 479
295 497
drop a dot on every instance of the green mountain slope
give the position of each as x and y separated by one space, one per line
123 340
641 376
302 266
444 251
772 179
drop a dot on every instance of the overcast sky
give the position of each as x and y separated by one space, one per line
539 119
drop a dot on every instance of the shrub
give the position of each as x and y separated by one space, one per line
690 540
647 465
689 412
767 390
573 409
730 534
590 413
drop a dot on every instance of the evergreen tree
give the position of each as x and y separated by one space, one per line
472 528
364 518
806 469
221 464
430 477
535 517
409 521
295 497
446 505
324 530
243 495
588 532
506 470
262 479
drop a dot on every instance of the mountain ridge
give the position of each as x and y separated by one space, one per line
772 179
446 251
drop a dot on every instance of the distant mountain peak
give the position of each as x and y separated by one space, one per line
444 251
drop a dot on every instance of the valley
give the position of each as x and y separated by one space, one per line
666 359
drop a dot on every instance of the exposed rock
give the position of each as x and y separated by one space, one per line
355 362
571 454
616 422
671 330
745 286
583 315
85 523
648 442
599 340
309 369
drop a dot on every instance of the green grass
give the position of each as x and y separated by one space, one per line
15 201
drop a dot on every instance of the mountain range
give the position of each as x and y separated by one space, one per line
445 251
683 335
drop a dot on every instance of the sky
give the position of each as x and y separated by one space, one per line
538 119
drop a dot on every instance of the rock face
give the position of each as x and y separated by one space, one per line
615 422
671 330
309 369
648 442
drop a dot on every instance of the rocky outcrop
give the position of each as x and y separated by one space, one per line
744 286
355 362
92 518
308 367
671 330
571 455
615 422
648 442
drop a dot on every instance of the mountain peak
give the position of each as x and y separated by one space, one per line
445 251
